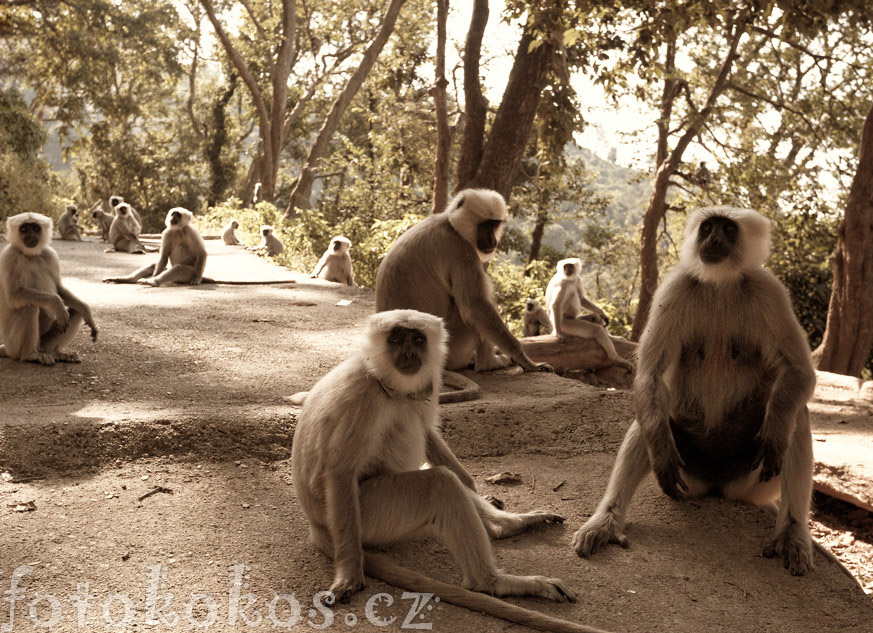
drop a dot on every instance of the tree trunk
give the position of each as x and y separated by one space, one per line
657 208
475 105
303 187
536 238
438 92
514 120
845 347
220 172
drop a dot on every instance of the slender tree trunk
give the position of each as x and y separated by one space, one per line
303 187
475 105
848 337
536 238
514 120
438 92
219 170
657 208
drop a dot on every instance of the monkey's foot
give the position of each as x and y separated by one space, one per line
67 357
508 585
114 280
3 353
149 282
511 524
597 531
40 357
621 362
795 547
492 361
344 588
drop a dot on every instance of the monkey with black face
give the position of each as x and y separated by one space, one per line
566 299
38 315
336 263
124 231
114 201
722 383
68 224
181 246
535 320
364 433
229 235
269 242
437 267
104 220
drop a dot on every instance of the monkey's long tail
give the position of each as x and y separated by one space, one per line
384 569
208 280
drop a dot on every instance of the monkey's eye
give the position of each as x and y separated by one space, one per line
706 227
730 229
419 340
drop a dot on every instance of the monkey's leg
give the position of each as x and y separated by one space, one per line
500 524
586 329
606 525
22 337
462 343
791 536
140 273
53 340
399 506
487 358
176 274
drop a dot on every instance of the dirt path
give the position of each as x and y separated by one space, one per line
183 391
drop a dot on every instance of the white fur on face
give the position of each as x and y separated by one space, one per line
346 243
266 230
185 218
470 207
577 266
14 222
753 244
379 360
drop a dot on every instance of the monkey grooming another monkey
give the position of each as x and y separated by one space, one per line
38 315
68 224
566 298
336 263
722 383
437 267
365 430
535 319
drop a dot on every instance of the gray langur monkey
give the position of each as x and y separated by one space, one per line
68 224
438 267
229 235
269 242
181 247
38 315
365 431
336 263
124 231
565 298
722 383
114 201
104 220
535 319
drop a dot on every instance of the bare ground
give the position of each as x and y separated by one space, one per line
183 391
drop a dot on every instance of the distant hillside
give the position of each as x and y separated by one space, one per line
628 190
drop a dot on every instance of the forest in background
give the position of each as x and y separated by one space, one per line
351 121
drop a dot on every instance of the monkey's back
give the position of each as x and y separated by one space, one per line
416 273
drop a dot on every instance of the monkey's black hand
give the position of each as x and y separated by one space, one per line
667 473
770 459
93 331
605 320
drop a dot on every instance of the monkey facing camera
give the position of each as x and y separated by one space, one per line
721 390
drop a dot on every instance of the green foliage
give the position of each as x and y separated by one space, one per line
25 182
514 284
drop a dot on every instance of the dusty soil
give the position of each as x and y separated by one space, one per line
183 391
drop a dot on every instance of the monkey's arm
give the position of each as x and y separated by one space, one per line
23 296
350 273
795 379
472 294
592 307
543 318
199 264
81 307
164 256
439 454
320 265
658 349
344 520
